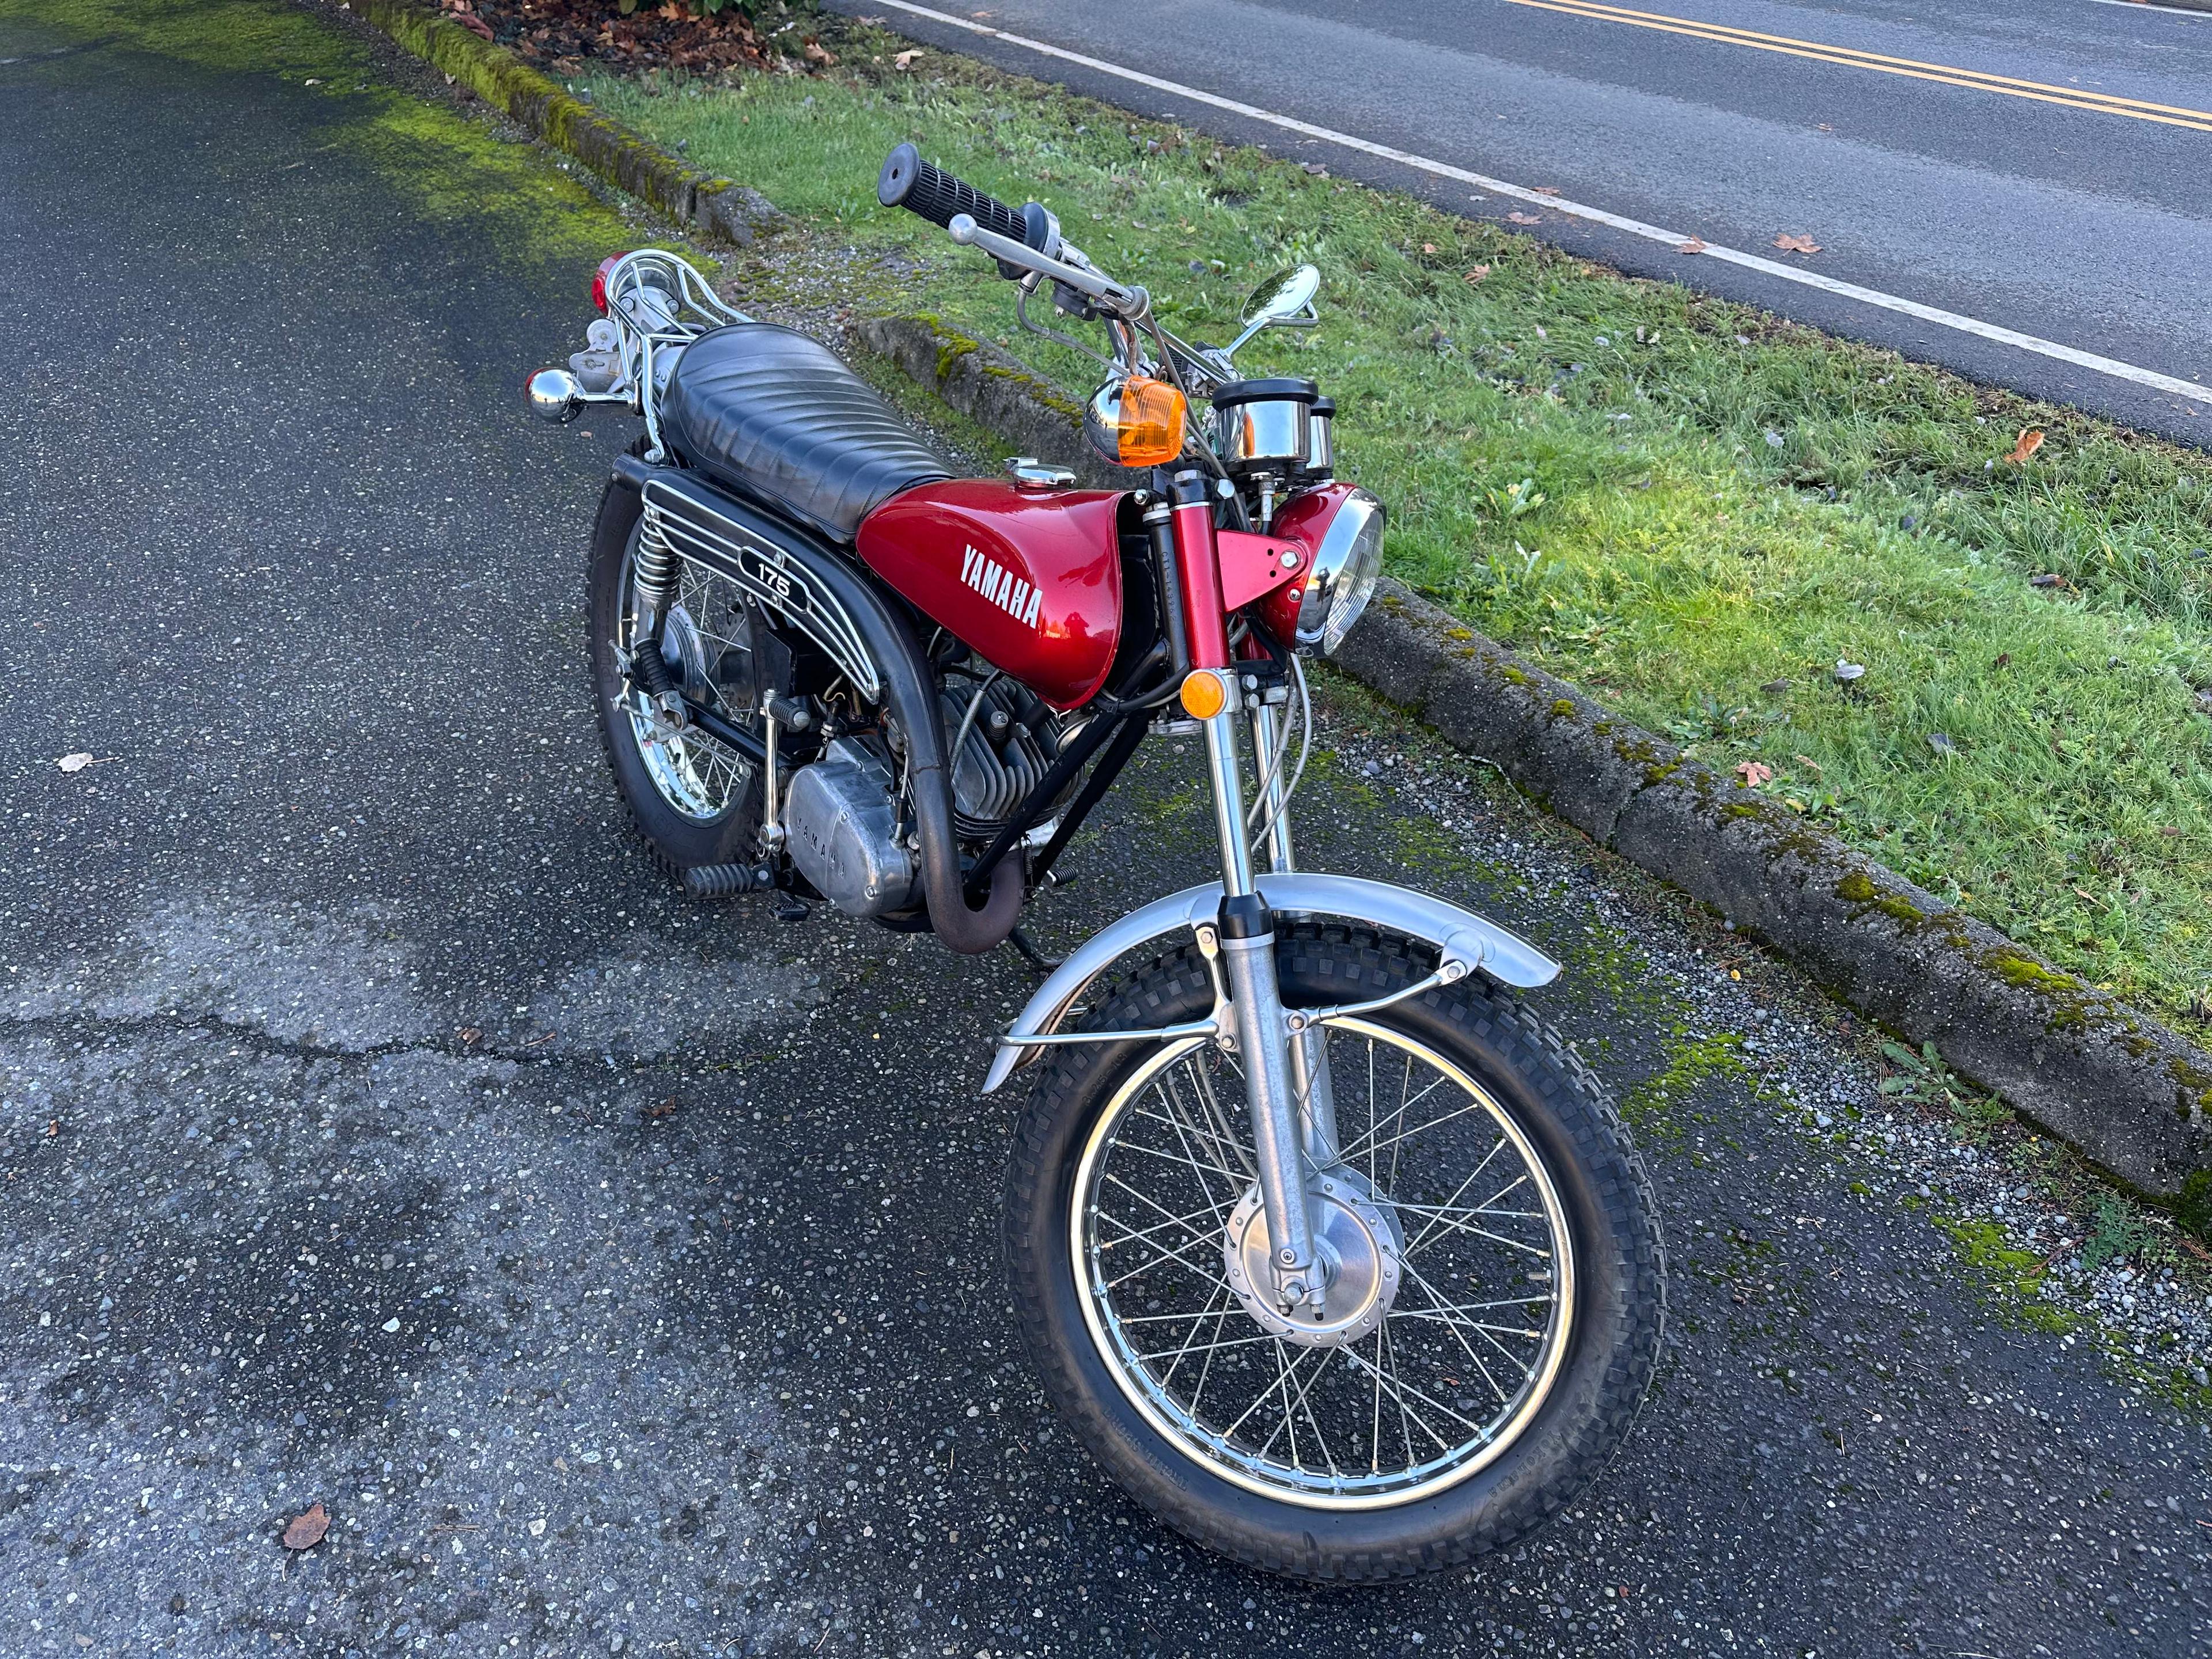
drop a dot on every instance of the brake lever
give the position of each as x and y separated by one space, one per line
1128 303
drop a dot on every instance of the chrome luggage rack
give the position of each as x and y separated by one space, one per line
654 304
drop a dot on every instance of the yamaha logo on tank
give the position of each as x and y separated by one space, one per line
1002 587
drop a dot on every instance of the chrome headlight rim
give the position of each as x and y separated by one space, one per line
1345 570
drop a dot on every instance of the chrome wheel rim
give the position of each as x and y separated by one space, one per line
1458 1363
696 776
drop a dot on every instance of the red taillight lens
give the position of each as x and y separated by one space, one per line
599 280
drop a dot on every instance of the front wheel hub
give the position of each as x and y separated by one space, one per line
1360 1246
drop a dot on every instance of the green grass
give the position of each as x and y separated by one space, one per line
1730 503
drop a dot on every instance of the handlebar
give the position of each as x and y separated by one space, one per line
910 182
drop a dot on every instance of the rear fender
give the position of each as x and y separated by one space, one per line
1458 935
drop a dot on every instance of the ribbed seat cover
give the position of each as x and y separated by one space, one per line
770 412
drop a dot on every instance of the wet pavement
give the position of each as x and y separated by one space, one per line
621 1275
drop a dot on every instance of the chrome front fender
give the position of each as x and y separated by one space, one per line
1461 935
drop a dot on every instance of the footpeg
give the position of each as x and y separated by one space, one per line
708 881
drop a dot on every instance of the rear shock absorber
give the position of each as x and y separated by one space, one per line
656 562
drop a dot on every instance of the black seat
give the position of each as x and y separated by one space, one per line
771 413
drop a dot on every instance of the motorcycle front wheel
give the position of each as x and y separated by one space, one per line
1498 1280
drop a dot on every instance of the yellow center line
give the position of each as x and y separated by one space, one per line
2137 109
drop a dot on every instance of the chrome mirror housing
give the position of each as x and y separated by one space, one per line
1289 303
1292 294
554 396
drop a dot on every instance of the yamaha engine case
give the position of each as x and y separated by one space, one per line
841 825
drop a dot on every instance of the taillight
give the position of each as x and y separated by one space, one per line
599 280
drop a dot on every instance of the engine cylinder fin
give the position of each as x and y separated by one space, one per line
1007 749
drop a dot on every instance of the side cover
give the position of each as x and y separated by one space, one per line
1030 578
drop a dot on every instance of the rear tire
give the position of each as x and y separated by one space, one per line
685 798
1340 1518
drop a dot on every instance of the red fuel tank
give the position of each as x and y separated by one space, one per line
1030 578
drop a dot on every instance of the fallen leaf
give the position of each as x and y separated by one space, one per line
1523 219
1808 763
2031 440
469 1037
1428 248
666 1108
1790 244
1315 168
53 1128
2079 894
1693 246
1775 688
2169 829
1477 275
475 25
74 763
905 59
1545 190
1752 774
2049 578
1847 671
816 52
2004 660
306 1531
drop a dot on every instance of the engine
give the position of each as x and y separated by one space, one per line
1011 743
842 820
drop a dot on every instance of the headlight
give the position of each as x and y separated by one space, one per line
1344 574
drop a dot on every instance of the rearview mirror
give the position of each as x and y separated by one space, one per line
1286 297
1281 301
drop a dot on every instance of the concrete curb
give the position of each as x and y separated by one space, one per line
2127 1092
2122 1088
715 210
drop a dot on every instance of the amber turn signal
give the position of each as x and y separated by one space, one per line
1204 695
1137 422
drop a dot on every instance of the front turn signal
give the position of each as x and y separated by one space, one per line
1204 695
1137 422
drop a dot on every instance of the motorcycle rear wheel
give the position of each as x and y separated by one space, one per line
693 800
1489 1206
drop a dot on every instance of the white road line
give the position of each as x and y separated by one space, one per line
2148 5
2197 392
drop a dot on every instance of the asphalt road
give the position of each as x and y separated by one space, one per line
621 1275
2089 229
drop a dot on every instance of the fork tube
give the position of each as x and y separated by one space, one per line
1221 765
1310 1082
1263 753
1246 927
1198 569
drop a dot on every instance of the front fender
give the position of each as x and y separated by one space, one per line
1461 935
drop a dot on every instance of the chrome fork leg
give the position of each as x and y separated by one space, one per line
1248 949
1309 1075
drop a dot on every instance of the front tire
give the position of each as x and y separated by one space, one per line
1528 1275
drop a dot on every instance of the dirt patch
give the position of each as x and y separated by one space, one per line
570 37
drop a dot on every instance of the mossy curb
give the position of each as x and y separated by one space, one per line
714 210
2127 1092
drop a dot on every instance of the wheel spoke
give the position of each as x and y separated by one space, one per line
1443 1374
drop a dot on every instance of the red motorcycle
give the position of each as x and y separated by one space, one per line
1333 1253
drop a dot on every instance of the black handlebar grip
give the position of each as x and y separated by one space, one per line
910 182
